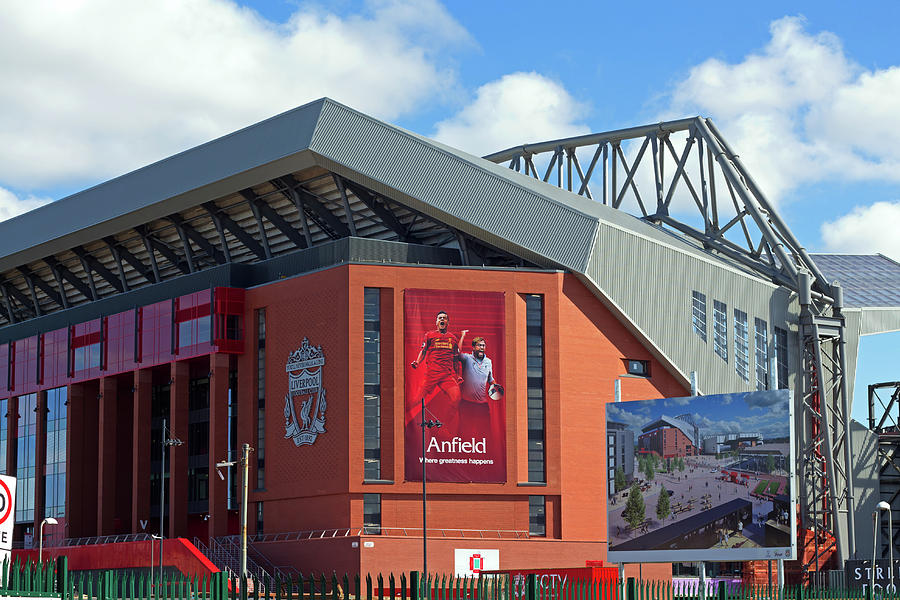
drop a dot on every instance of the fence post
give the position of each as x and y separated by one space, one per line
62 577
414 585
531 592
721 593
630 589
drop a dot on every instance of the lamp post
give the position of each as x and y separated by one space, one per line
245 467
47 521
426 424
887 507
152 537
165 442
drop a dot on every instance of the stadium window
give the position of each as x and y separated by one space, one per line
261 399
260 523
372 384
641 368
781 357
698 314
761 338
372 514
55 461
741 345
537 516
720 329
26 458
534 340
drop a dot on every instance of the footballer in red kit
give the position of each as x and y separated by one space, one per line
440 386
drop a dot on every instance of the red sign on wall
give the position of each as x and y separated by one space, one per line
455 365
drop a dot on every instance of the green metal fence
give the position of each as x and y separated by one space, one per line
51 579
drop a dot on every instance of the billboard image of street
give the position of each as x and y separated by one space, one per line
454 346
701 478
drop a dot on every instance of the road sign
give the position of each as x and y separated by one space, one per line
7 514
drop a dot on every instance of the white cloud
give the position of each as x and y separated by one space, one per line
12 205
93 88
865 230
800 111
516 109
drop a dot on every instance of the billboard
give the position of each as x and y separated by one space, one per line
701 478
454 363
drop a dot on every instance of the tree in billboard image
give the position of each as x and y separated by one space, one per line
454 346
634 512
717 478
662 505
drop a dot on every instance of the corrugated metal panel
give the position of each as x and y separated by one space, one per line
651 283
453 190
879 320
852 323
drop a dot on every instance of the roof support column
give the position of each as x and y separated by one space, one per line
141 450
178 455
218 443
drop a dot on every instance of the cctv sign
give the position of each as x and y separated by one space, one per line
7 519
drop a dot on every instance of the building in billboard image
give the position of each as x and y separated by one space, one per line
319 284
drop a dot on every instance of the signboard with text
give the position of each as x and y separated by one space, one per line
7 514
454 346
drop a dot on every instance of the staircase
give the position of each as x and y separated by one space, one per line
225 553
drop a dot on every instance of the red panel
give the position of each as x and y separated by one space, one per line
119 333
55 360
4 370
178 553
156 333
87 336
25 373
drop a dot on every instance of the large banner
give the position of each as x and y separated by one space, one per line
455 364
701 478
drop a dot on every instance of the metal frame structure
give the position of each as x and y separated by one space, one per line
700 189
887 428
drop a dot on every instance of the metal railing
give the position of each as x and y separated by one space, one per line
104 539
339 532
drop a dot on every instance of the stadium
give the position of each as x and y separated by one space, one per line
275 287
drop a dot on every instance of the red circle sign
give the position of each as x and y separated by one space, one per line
5 515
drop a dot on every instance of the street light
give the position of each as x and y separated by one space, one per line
165 442
429 424
887 507
245 464
153 537
47 521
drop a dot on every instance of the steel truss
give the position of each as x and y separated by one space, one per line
887 427
656 173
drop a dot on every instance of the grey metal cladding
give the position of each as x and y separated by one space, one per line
651 283
475 201
136 193
868 280
879 320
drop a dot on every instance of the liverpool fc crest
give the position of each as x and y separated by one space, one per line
304 369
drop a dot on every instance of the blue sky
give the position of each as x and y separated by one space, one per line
807 96
767 413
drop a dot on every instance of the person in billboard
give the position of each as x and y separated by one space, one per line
478 387
440 387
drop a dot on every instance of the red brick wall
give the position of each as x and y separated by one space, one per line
321 486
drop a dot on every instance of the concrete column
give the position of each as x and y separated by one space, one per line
218 444
141 452
107 453
178 455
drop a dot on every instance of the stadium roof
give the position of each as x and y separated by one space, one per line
868 280
665 421
321 174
